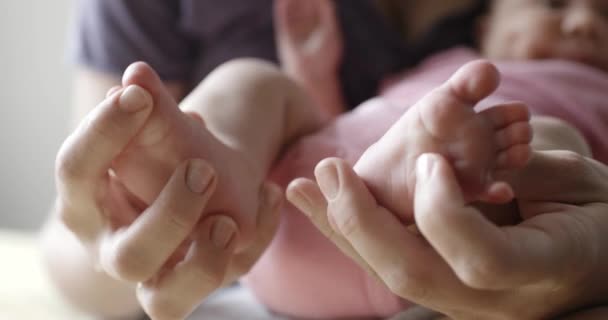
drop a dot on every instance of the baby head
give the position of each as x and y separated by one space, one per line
544 29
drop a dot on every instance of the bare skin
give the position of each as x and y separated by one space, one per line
343 208
242 135
545 267
240 148
496 133
310 50
443 122
81 208
109 234
477 144
170 136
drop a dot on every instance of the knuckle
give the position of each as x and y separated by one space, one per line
106 130
68 218
348 225
406 285
182 223
84 226
426 217
130 264
483 272
67 166
211 277
573 159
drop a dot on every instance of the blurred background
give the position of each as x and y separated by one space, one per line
35 94
35 81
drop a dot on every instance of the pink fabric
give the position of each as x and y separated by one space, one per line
567 90
303 274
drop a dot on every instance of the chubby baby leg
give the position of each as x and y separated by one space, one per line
226 124
478 144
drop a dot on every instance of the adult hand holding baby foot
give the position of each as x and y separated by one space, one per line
546 263
177 256
549 265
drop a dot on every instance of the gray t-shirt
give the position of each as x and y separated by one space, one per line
186 39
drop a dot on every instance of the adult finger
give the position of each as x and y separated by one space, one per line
401 258
268 217
84 159
404 261
102 135
210 264
575 179
137 252
483 255
176 292
305 195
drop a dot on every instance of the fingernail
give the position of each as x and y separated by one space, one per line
222 231
329 181
198 176
301 202
424 166
134 98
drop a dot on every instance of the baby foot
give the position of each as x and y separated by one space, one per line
478 144
310 48
309 39
170 137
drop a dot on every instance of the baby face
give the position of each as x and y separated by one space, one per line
543 29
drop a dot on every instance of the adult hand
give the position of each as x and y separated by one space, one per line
177 256
464 266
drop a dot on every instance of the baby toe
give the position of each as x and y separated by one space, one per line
514 134
513 157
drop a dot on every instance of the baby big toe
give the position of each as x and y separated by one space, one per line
474 81
514 134
446 109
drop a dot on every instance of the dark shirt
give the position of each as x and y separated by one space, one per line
185 39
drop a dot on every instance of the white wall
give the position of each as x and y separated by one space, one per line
34 105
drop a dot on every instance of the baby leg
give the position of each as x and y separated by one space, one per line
238 119
310 45
444 122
